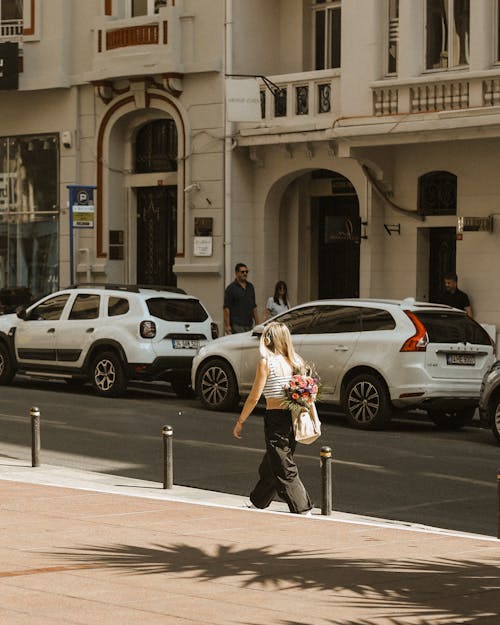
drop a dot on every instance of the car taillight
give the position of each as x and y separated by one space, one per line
215 330
148 329
419 341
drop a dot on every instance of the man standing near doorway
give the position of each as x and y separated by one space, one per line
240 309
453 296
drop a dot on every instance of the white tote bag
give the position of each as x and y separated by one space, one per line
306 425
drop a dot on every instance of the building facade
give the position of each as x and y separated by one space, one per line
371 170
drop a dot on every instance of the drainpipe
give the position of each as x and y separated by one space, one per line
228 132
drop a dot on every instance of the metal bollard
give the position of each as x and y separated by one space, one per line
326 480
168 460
498 490
35 436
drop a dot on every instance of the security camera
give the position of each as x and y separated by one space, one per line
192 187
66 139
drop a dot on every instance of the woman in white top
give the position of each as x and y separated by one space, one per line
278 473
279 302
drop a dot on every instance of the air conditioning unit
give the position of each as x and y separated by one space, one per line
475 224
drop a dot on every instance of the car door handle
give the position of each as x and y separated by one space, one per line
89 330
51 331
340 348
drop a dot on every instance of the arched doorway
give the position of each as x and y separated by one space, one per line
336 227
155 152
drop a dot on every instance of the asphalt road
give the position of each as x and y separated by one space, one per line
412 472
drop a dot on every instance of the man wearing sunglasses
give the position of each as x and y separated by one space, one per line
240 309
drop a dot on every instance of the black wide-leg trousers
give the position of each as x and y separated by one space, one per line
278 473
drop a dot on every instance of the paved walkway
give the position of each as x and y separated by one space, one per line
85 548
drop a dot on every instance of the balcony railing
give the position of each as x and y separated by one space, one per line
11 30
305 99
427 95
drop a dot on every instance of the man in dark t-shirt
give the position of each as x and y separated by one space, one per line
240 309
453 296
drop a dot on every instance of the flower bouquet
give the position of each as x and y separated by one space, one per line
300 394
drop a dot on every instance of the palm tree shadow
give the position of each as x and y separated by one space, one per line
414 588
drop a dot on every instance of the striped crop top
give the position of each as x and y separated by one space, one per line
280 373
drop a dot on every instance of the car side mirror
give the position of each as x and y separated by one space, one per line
21 312
258 329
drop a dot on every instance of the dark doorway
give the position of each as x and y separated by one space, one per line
442 259
338 245
156 235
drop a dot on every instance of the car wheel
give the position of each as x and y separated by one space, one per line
366 402
495 422
6 369
182 387
216 386
107 375
452 419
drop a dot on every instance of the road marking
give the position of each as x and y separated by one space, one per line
465 480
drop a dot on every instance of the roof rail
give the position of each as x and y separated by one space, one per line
131 288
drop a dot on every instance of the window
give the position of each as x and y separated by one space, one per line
85 306
437 193
450 327
146 7
156 147
298 321
376 319
186 310
393 36
335 319
117 306
327 32
11 10
50 309
447 33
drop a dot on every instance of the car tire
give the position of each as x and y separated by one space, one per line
452 419
6 369
216 385
107 375
495 418
366 402
182 387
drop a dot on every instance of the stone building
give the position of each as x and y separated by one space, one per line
370 171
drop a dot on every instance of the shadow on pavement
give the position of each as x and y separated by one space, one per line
443 588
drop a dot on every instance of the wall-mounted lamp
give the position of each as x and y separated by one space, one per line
390 228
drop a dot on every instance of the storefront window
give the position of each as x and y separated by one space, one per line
29 215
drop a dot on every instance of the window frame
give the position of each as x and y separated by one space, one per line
452 63
328 7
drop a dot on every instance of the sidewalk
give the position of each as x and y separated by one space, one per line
86 548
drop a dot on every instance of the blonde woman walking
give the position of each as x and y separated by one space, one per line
278 473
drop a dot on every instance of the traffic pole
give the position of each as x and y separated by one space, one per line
35 436
168 461
326 480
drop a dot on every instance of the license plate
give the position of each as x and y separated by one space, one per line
185 343
460 359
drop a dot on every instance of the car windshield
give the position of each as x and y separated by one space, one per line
177 309
450 327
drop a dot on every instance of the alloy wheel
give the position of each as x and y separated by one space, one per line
363 402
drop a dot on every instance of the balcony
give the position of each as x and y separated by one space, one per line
305 102
11 30
429 93
137 46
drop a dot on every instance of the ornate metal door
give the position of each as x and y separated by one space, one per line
156 235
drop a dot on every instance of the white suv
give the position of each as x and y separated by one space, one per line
107 335
373 356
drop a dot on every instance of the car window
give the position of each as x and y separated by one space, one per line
335 319
117 306
376 319
177 309
449 327
50 309
298 320
85 306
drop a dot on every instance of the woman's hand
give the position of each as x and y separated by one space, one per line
237 429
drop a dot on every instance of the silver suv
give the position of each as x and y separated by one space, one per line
489 400
106 335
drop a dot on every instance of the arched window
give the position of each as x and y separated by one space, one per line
156 147
437 193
